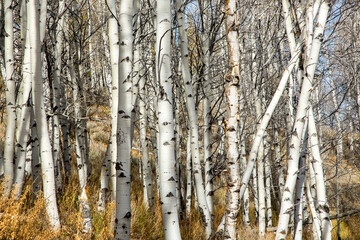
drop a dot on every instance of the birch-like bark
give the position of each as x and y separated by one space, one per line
80 145
10 97
278 162
23 130
123 211
265 120
232 99
149 199
209 188
322 204
287 199
298 208
260 167
314 213
194 128
339 153
114 59
188 175
268 183
56 85
166 125
104 180
47 164
35 156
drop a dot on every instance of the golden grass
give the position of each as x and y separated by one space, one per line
26 218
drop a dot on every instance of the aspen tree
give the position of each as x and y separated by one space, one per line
207 107
287 199
23 130
114 59
47 164
166 138
124 134
146 164
104 179
194 129
232 98
57 94
10 97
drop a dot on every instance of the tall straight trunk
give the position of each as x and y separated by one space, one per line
194 128
23 130
339 153
287 199
261 167
209 188
149 199
123 211
56 85
10 97
300 188
166 125
35 156
47 164
188 175
268 182
114 59
232 81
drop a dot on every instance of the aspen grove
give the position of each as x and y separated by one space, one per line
179 119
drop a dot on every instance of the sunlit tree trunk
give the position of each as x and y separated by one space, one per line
114 60
56 85
166 122
47 164
194 128
232 98
104 179
123 211
23 130
322 204
209 188
287 199
10 97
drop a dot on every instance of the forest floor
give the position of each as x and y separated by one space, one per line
26 218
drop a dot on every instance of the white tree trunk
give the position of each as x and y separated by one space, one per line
166 125
209 188
23 130
47 164
123 211
287 199
322 204
232 81
10 97
114 59
188 175
194 128
149 199
104 179
57 94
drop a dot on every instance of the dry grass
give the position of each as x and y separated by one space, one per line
26 218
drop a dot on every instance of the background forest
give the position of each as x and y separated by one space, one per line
179 119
